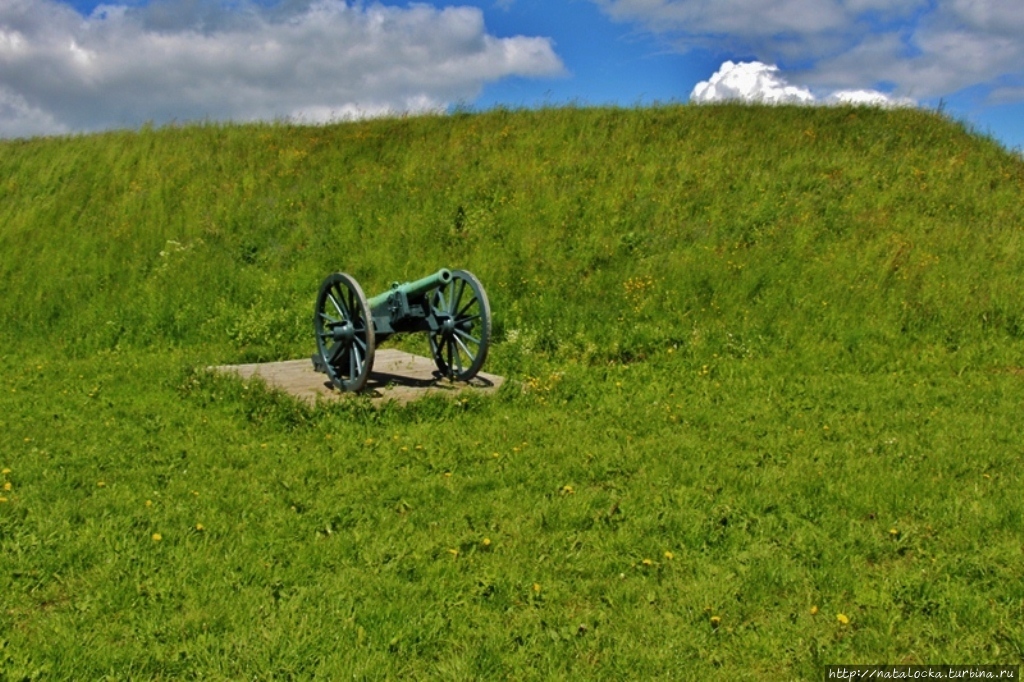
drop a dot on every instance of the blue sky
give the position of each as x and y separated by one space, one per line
606 62
79 65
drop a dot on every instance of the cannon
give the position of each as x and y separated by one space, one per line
450 306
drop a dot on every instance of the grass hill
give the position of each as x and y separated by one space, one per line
768 371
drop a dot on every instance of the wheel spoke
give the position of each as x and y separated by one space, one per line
337 306
353 305
463 320
335 353
456 297
467 336
329 319
456 357
358 358
467 307
342 304
472 358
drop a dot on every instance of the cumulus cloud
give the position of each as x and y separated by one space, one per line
868 98
749 82
315 61
761 83
921 48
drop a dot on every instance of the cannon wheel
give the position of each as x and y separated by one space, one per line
344 332
460 345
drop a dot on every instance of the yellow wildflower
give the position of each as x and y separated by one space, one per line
843 618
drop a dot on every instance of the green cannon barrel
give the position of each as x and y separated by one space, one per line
420 286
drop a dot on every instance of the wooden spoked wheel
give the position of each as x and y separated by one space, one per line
460 343
344 332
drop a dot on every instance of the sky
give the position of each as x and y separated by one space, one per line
73 66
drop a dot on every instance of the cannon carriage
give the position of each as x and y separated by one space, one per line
449 306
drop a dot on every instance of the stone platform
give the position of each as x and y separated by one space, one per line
396 375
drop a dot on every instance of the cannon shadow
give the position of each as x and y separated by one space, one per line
381 381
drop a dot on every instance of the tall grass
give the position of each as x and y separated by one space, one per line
766 369
857 227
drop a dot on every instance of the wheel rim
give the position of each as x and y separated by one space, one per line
344 332
460 344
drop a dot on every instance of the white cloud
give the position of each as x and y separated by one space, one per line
316 60
868 98
990 16
760 83
923 48
749 82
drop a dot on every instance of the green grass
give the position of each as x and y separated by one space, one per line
766 368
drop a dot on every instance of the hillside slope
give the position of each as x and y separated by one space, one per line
767 229
766 374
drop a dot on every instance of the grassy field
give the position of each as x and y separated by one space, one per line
764 411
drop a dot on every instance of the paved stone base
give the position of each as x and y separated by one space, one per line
396 375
